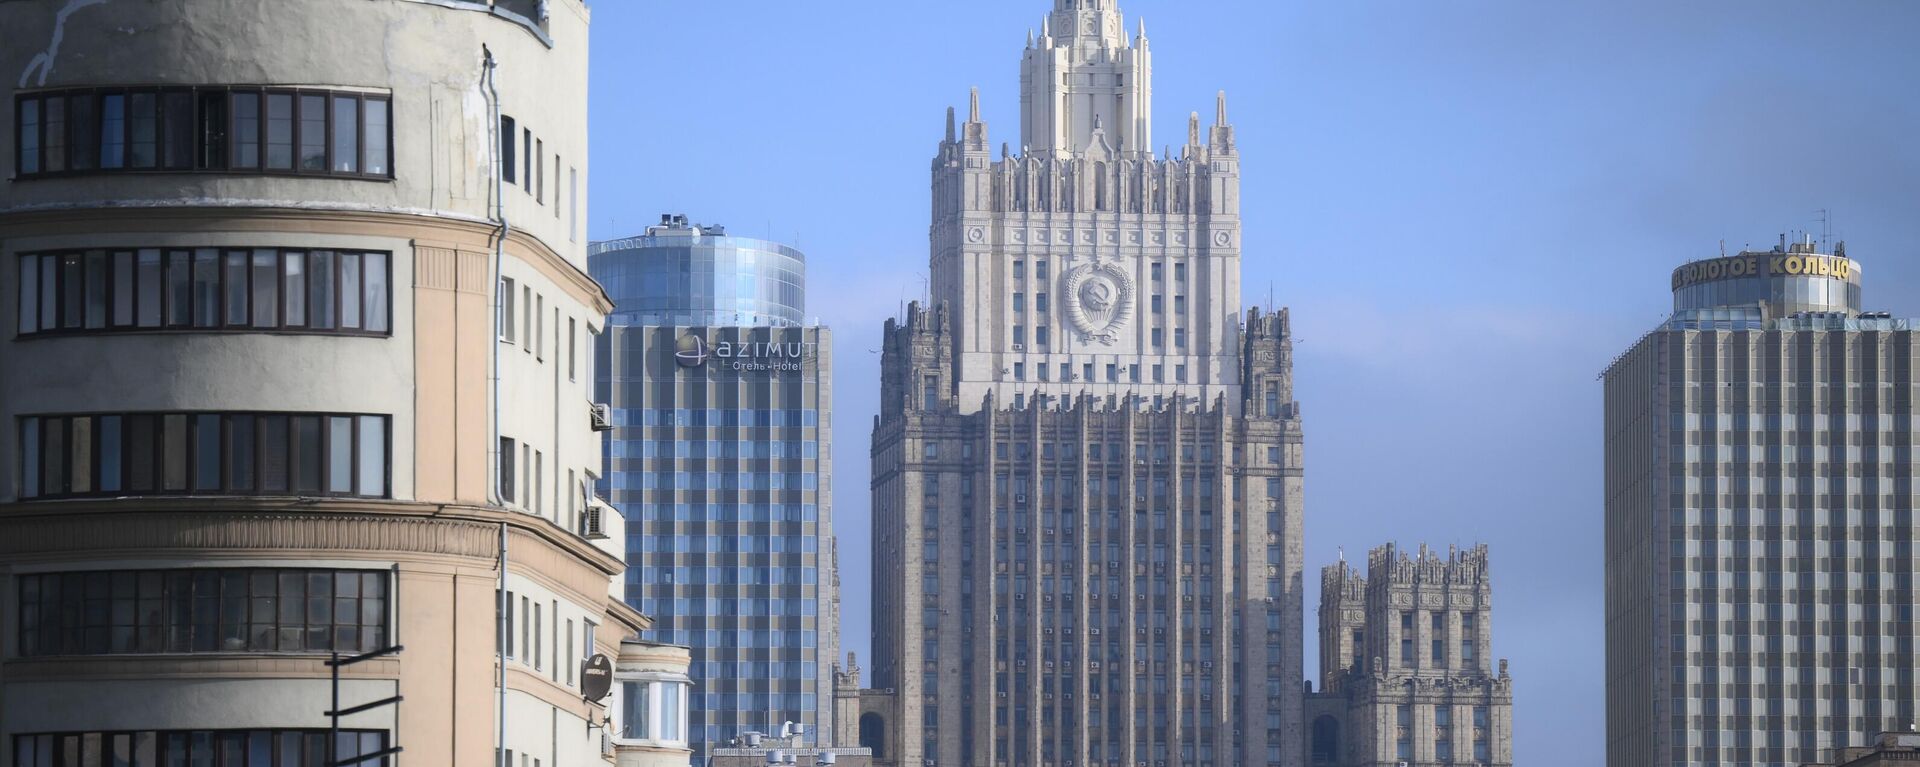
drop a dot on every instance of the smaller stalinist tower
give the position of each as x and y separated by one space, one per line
1406 672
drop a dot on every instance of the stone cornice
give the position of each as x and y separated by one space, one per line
437 227
44 530
208 666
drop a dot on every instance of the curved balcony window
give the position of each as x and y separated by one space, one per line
283 454
122 290
203 611
205 129
653 711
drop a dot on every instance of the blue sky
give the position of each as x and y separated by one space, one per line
1470 207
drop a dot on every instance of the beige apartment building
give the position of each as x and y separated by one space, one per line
296 360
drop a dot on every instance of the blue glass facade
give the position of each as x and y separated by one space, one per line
719 461
684 275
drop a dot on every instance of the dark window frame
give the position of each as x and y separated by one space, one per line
222 322
55 479
193 743
209 154
152 611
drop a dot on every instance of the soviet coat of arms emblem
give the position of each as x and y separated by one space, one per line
1099 300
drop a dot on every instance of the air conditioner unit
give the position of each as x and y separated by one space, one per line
1019 347
602 416
1093 631
1003 694
1206 664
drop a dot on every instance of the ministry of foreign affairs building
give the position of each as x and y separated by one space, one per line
1759 519
1087 467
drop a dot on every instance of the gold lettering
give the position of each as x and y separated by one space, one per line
1796 265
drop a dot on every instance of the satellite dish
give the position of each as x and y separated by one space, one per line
596 678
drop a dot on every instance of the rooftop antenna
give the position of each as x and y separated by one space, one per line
1826 227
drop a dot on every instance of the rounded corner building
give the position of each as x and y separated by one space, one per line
720 458
296 343
1760 497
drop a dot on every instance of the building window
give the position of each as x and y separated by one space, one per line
204 129
506 471
653 711
202 611
1179 338
507 153
206 289
302 454
1040 339
228 748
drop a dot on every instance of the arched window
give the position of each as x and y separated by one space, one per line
1100 186
1326 740
873 734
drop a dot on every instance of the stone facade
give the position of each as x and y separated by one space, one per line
1406 667
1760 519
1893 749
1087 467
296 330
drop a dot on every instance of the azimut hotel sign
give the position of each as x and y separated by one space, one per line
695 349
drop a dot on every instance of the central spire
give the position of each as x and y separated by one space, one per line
1087 23
1084 70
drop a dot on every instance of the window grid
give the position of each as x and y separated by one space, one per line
233 289
228 748
303 454
199 129
202 611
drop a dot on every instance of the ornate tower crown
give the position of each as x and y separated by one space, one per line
1087 23
1083 71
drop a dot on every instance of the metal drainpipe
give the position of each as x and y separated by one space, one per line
493 444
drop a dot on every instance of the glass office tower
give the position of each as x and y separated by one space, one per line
719 459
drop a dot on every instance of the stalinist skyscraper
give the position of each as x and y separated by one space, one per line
1087 467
